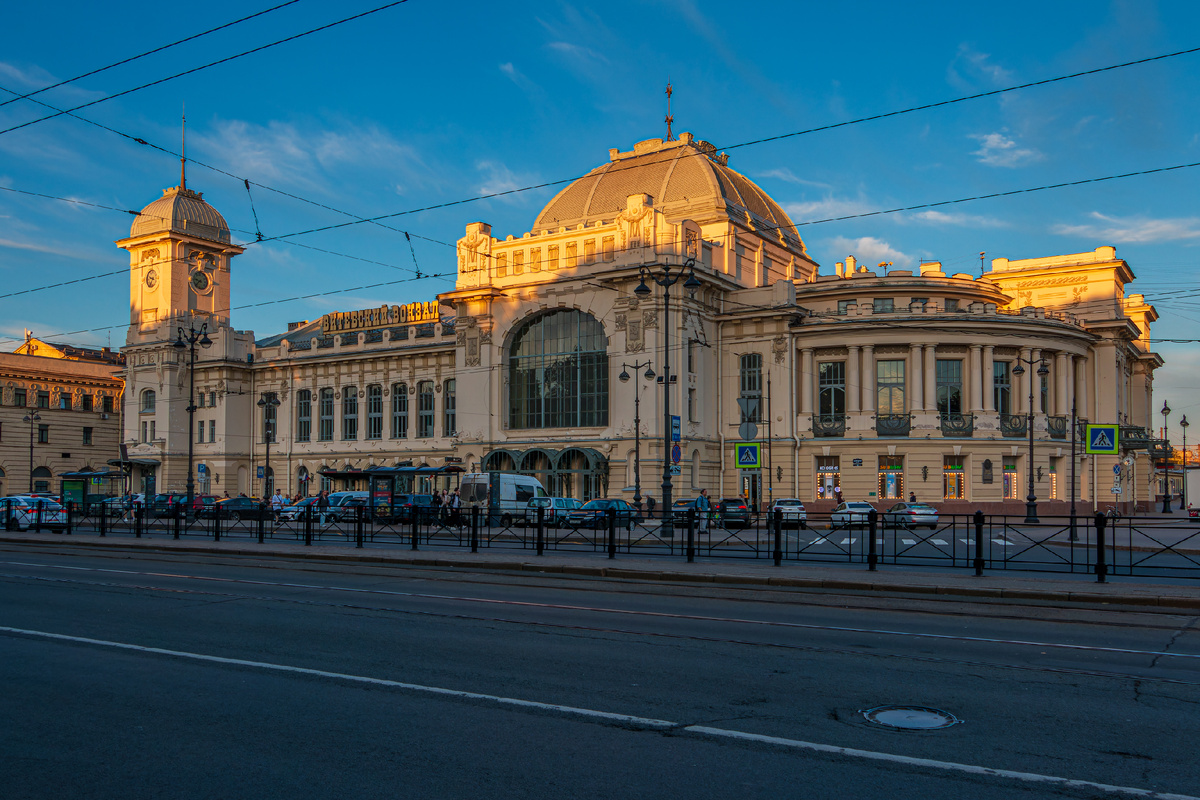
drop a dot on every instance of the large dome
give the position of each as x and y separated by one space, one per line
684 175
181 210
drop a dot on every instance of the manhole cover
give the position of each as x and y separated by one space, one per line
910 717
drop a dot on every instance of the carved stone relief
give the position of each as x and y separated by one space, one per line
650 318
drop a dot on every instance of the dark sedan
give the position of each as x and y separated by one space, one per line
734 512
237 508
594 514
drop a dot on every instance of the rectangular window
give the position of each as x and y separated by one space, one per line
106 405
608 246
953 480
831 389
153 433
949 386
891 477
325 416
350 413
1012 485
87 402
691 357
589 251
449 408
883 305
212 430
501 265
375 412
304 415
750 386
87 435
692 412
43 434
572 254
64 402
145 431
765 280
19 398
1002 393
844 306
200 431
952 305
518 262
889 387
829 477
1044 394
399 411
739 256
212 399
425 409
43 399
552 257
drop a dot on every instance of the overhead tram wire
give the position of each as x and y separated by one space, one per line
218 62
131 59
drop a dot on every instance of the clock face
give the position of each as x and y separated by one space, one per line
151 279
199 281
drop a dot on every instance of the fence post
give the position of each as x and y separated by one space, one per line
475 529
139 515
691 533
612 533
262 521
416 513
872 532
1101 564
359 512
777 521
37 517
70 514
978 519
541 531
308 521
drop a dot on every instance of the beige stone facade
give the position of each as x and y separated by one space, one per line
874 382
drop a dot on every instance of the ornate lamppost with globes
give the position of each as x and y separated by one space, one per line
1042 371
1166 412
269 403
1183 425
637 425
189 342
667 280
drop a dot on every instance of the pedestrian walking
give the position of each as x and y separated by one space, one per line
912 497
702 507
455 509
650 505
277 503
322 506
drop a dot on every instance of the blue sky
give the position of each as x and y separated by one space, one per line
430 103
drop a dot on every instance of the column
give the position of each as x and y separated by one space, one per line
1062 397
916 402
1081 388
1021 401
868 375
806 380
853 383
975 380
989 378
931 377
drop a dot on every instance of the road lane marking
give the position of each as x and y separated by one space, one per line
624 720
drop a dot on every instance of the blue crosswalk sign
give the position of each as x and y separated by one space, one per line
748 455
1102 440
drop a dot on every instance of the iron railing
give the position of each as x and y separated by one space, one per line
893 424
829 425
1012 425
957 424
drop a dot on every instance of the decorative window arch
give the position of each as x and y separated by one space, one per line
558 372
149 400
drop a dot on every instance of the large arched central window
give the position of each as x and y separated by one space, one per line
558 373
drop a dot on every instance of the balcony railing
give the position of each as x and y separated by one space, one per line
826 426
1012 425
893 424
1057 427
957 424
1134 437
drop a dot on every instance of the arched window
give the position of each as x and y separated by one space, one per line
375 411
325 429
450 408
41 479
558 373
304 415
399 411
425 410
350 413
149 398
302 480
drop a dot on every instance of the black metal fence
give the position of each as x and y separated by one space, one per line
1092 544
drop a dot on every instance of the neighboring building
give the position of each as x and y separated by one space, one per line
59 407
874 384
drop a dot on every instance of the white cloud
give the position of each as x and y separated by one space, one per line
41 248
998 150
785 174
963 220
1134 229
499 178
531 89
869 251
969 67
828 208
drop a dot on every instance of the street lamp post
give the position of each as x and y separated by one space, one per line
268 400
1166 411
637 425
1042 371
32 418
182 343
667 280
1183 423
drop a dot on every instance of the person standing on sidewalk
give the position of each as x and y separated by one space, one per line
322 506
702 508
277 503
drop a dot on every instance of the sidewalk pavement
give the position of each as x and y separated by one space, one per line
959 585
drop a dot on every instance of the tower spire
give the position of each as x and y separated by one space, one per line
183 150
670 118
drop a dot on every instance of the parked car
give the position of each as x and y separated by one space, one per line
910 515
734 513
792 512
237 509
296 510
680 508
20 513
341 505
557 510
850 515
594 514
164 505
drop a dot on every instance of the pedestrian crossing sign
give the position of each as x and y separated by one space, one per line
748 455
1102 440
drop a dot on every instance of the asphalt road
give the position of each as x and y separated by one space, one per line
125 675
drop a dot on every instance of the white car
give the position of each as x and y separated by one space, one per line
21 513
851 515
792 513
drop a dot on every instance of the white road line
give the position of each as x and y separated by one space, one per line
909 542
643 723
941 542
849 541
1003 542
819 540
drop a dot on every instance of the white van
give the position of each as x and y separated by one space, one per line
503 496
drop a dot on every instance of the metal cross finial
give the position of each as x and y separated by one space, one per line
670 118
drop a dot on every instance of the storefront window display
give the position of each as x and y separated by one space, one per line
829 478
953 478
891 477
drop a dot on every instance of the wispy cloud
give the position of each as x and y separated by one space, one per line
969 68
499 178
828 208
785 174
933 217
41 248
868 250
1134 229
998 150
531 89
